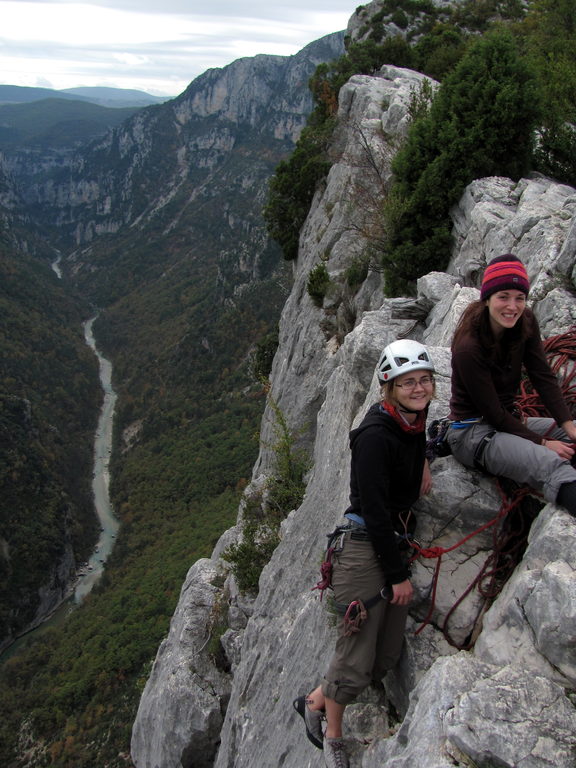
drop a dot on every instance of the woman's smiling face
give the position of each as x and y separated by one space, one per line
505 309
414 390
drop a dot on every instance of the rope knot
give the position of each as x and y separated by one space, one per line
325 573
432 552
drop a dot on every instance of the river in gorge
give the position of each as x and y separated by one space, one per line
91 571
101 476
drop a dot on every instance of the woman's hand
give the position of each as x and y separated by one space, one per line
570 428
564 450
402 593
426 483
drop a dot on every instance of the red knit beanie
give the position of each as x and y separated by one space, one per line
504 272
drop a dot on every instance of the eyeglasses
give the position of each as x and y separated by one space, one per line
425 381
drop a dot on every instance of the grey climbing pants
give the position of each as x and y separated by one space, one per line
507 455
369 653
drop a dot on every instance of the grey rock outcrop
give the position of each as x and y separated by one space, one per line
506 702
533 622
186 694
465 710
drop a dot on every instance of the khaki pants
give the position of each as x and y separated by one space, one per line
368 654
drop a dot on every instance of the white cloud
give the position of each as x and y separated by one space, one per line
150 45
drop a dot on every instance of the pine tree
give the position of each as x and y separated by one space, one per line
481 123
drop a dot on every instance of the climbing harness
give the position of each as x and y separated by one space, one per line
356 612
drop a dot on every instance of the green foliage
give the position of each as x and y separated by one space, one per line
357 271
548 35
483 15
263 512
555 153
481 123
217 626
293 185
263 356
286 487
49 398
420 101
439 51
318 282
440 43
249 556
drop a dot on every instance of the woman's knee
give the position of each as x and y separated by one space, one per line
342 691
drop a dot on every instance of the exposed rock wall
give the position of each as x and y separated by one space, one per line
254 105
507 702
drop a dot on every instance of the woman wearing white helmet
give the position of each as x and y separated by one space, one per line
370 577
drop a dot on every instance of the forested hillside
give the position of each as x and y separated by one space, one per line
49 396
55 124
189 289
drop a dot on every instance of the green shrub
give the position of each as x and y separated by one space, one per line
263 512
293 185
356 272
555 154
481 123
318 282
249 556
263 356
438 52
550 45
400 19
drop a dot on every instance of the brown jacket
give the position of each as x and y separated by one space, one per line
482 387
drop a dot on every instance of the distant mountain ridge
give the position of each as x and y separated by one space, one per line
48 120
104 97
164 211
220 138
56 123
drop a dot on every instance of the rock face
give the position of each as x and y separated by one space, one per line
177 147
504 702
180 693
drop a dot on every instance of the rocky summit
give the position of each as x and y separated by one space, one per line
479 683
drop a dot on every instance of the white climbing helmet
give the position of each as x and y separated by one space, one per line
401 357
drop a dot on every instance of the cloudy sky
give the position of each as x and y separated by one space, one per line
157 46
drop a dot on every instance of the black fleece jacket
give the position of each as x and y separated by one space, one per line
386 473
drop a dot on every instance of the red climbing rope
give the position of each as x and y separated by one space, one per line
437 552
325 573
561 353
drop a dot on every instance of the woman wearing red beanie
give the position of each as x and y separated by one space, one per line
495 338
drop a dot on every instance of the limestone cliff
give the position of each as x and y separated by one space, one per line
190 148
508 700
